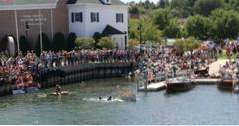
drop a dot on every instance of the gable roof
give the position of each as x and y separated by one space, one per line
109 30
27 4
113 2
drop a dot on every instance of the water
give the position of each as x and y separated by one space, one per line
202 105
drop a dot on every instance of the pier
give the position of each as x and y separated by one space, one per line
159 86
153 87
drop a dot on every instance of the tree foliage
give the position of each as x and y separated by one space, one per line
173 30
162 18
225 24
198 26
205 7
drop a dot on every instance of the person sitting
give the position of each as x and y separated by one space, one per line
58 89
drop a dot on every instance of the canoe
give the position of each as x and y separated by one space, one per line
24 91
62 93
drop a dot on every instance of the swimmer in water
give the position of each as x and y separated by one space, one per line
110 98
100 98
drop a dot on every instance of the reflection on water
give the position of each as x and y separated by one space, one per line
203 105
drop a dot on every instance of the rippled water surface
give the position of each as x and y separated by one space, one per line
202 105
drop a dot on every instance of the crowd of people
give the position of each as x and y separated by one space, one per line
160 63
23 70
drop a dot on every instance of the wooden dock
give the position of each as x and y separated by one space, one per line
154 87
206 81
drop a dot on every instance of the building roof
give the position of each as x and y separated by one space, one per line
109 30
27 4
113 2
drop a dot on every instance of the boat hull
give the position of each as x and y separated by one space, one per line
179 87
226 85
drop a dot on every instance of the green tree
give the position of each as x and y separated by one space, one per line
232 4
182 8
225 24
106 42
84 43
173 30
205 7
162 18
198 26
150 32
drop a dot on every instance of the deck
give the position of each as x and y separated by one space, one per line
154 87
206 81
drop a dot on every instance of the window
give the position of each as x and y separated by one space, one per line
94 17
77 17
119 18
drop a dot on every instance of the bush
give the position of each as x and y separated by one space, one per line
24 44
71 41
188 44
85 43
106 42
132 43
59 42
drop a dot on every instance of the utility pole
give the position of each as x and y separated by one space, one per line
40 25
17 32
140 37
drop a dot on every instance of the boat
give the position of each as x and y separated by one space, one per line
25 90
179 84
226 83
62 93
128 96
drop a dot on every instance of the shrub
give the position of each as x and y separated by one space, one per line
71 41
59 42
132 43
84 43
106 42
97 36
24 44
46 44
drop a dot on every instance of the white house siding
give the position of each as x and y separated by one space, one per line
119 40
107 16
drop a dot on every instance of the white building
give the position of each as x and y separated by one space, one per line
107 17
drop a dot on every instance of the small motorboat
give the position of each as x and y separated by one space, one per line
62 93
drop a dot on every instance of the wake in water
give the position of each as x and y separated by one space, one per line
105 99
